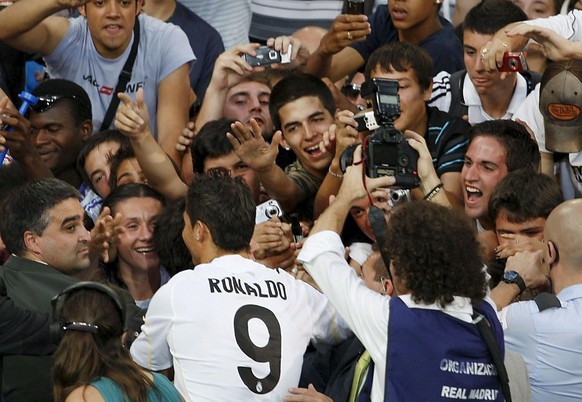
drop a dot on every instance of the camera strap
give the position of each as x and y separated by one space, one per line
124 77
378 223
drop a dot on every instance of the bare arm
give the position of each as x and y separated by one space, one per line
28 25
351 189
530 266
173 98
427 174
132 120
334 58
340 135
260 156
492 52
229 70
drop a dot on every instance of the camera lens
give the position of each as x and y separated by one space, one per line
273 54
272 211
513 64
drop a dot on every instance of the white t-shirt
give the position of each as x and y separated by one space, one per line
162 49
441 97
234 330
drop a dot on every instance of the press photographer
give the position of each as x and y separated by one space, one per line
439 139
439 291
385 151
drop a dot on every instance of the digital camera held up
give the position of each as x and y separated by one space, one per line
385 151
513 62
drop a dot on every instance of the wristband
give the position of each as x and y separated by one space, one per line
432 193
339 176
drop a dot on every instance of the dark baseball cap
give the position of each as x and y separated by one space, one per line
561 106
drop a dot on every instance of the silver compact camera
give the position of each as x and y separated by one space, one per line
267 210
265 56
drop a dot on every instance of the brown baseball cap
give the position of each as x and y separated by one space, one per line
561 106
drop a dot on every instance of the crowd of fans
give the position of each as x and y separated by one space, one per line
338 207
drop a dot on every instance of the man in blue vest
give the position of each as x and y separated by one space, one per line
437 275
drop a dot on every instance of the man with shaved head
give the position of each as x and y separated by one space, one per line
547 331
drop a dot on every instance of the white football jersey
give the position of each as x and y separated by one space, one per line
234 330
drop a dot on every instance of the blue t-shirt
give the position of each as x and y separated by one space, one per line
112 392
206 43
444 47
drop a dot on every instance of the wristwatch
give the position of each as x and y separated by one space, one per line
515 278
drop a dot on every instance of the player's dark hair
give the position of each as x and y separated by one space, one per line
231 224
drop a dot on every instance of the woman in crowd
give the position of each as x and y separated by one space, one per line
137 266
91 363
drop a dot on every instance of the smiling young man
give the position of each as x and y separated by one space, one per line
57 128
497 148
92 49
302 107
475 93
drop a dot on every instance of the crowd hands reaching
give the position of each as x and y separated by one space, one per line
149 213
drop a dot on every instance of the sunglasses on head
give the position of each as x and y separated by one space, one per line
351 90
45 102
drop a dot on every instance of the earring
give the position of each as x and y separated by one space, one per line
287 148
197 238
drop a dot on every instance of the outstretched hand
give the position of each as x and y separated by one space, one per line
309 394
19 139
251 147
345 30
104 235
132 117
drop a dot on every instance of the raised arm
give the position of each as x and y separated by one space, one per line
229 70
28 25
492 52
172 114
260 156
19 141
340 135
132 119
351 189
334 58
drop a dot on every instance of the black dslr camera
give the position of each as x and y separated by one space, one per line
385 152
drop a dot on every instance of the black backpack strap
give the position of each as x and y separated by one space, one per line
124 77
546 301
487 334
532 78
458 107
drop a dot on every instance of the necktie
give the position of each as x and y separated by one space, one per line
359 375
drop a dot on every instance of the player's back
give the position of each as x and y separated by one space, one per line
239 330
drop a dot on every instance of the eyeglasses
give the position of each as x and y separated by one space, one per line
46 102
351 90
